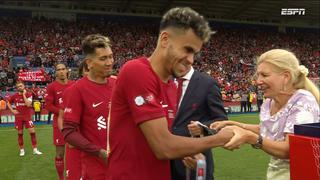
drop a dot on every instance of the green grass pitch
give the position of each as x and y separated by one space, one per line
243 164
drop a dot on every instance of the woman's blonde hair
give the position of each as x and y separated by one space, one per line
284 60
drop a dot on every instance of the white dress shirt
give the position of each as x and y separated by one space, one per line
185 83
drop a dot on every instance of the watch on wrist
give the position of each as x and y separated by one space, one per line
258 144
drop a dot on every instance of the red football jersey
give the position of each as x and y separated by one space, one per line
24 111
139 96
87 103
54 98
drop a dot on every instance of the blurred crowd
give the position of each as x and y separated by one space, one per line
229 56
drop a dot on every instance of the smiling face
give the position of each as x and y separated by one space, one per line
100 63
180 51
270 81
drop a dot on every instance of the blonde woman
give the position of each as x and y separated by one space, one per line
291 98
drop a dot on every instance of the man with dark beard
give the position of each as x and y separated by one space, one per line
144 103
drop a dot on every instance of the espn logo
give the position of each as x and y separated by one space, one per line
293 11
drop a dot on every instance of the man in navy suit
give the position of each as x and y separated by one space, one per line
200 101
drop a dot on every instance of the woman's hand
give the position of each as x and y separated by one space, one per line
241 136
219 125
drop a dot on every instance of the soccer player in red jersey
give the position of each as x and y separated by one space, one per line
54 102
34 91
22 100
73 155
144 103
87 106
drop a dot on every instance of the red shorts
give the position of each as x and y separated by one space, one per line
93 167
58 137
73 163
18 124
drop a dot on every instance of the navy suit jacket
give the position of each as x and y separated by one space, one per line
201 102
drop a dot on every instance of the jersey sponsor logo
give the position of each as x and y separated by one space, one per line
101 123
163 105
97 104
139 100
144 99
57 140
67 110
149 98
20 104
60 101
170 114
59 92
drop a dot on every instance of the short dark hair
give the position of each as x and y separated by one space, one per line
93 41
83 66
186 18
19 82
60 63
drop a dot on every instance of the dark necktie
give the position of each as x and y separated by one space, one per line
179 94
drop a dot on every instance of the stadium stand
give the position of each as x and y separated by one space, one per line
45 42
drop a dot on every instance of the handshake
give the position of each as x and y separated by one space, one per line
242 133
